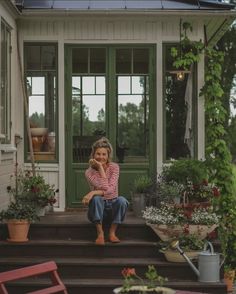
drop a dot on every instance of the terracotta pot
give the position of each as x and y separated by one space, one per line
18 230
229 280
37 143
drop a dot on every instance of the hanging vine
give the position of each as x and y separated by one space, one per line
218 158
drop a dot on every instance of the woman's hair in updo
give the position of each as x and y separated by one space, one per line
102 143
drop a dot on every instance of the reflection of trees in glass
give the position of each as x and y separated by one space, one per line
85 127
131 128
175 118
37 120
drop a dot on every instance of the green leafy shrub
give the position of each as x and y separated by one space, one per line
184 170
142 183
19 211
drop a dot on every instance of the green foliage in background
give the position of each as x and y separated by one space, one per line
218 156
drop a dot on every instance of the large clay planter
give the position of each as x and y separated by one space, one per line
168 232
18 230
229 280
144 289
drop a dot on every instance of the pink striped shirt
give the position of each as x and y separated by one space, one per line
109 184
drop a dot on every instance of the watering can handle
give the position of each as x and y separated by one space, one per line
207 243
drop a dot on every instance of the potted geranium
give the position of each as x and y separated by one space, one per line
33 189
190 176
18 216
139 193
133 283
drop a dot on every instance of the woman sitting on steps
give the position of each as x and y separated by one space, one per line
102 176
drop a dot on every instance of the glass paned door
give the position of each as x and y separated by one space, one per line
108 93
132 114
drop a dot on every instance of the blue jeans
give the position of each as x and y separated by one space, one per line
100 209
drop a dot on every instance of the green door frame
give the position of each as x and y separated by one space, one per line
127 169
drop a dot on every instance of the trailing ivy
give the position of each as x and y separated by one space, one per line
218 157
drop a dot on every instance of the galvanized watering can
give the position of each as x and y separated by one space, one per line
209 263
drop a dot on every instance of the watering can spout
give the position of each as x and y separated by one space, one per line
175 245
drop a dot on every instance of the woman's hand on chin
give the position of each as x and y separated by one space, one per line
95 164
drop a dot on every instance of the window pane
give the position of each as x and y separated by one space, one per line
98 60
95 110
138 85
48 57
80 60
123 61
42 103
140 61
179 113
100 85
124 85
88 114
38 85
88 85
32 54
133 113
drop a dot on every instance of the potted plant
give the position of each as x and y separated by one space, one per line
189 178
18 216
140 187
229 276
171 221
133 283
189 243
169 192
32 188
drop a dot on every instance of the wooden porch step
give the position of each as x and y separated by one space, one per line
79 248
68 239
106 286
108 267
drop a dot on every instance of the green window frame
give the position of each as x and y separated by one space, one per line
40 60
5 78
179 109
126 70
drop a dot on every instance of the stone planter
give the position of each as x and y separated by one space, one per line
144 289
41 211
138 203
168 232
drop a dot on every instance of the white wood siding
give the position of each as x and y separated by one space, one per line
7 159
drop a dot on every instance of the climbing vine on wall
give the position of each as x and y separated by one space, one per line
218 158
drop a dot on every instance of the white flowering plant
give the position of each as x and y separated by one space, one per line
204 216
171 215
163 215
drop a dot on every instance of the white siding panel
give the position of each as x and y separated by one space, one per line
7 159
51 177
108 29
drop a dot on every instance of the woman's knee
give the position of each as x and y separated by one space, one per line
97 199
122 201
